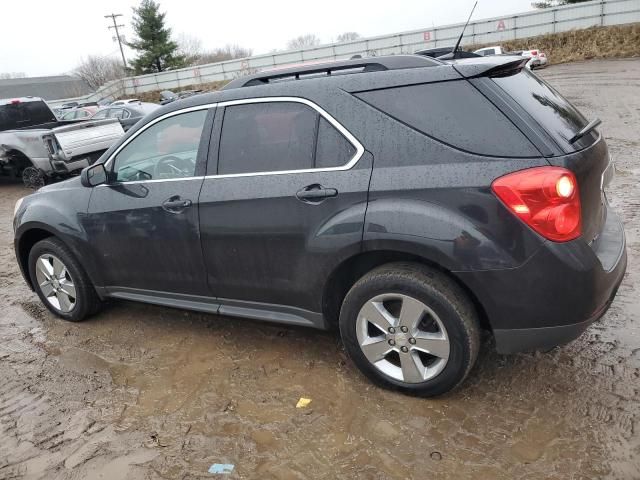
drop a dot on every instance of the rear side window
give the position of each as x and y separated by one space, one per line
550 109
279 136
454 113
24 114
117 113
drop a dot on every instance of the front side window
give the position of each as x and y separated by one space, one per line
101 114
165 150
116 113
279 136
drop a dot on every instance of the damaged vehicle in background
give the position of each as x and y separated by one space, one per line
36 146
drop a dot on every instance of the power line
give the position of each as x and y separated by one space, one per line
115 26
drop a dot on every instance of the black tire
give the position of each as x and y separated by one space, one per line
33 178
442 295
87 301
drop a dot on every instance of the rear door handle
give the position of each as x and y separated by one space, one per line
176 204
315 193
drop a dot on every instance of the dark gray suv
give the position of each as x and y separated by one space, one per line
409 202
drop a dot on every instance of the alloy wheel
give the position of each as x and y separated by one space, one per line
403 338
55 282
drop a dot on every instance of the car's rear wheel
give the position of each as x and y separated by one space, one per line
410 328
61 282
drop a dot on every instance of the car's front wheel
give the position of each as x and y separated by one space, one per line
410 328
61 282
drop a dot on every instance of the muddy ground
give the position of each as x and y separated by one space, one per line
149 392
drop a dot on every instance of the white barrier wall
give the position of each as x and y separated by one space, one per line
492 30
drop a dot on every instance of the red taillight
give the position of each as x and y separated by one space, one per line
545 198
534 52
15 102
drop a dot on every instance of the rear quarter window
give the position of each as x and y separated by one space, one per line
454 113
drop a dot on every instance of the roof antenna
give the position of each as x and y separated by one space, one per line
451 55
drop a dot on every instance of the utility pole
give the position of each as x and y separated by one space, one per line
113 17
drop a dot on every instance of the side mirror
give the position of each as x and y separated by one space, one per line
93 175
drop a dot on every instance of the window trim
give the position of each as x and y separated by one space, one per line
346 133
337 125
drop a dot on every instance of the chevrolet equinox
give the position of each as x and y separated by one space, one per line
409 202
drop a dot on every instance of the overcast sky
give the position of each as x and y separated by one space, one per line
55 35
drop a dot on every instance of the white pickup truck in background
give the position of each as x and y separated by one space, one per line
537 59
36 146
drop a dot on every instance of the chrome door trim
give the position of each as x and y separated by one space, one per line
346 133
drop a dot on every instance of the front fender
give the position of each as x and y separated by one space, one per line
62 219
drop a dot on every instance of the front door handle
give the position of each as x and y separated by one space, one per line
176 204
315 193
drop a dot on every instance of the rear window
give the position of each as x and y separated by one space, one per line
24 114
551 110
454 113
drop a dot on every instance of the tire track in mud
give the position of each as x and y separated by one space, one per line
42 433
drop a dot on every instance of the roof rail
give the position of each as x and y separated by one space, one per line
356 65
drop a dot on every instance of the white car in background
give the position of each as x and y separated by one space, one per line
124 101
537 59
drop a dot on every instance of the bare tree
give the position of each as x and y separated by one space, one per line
190 48
8 75
348 37
97 70
303 41
228 52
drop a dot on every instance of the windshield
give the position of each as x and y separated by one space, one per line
24 114
551 110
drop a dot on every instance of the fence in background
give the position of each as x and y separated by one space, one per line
492 30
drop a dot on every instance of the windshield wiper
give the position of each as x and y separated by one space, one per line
590 126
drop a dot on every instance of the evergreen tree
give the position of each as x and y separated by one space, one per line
156 51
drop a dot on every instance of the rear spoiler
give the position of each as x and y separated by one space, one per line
494 66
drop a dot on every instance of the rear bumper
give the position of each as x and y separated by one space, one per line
544 338
556 294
